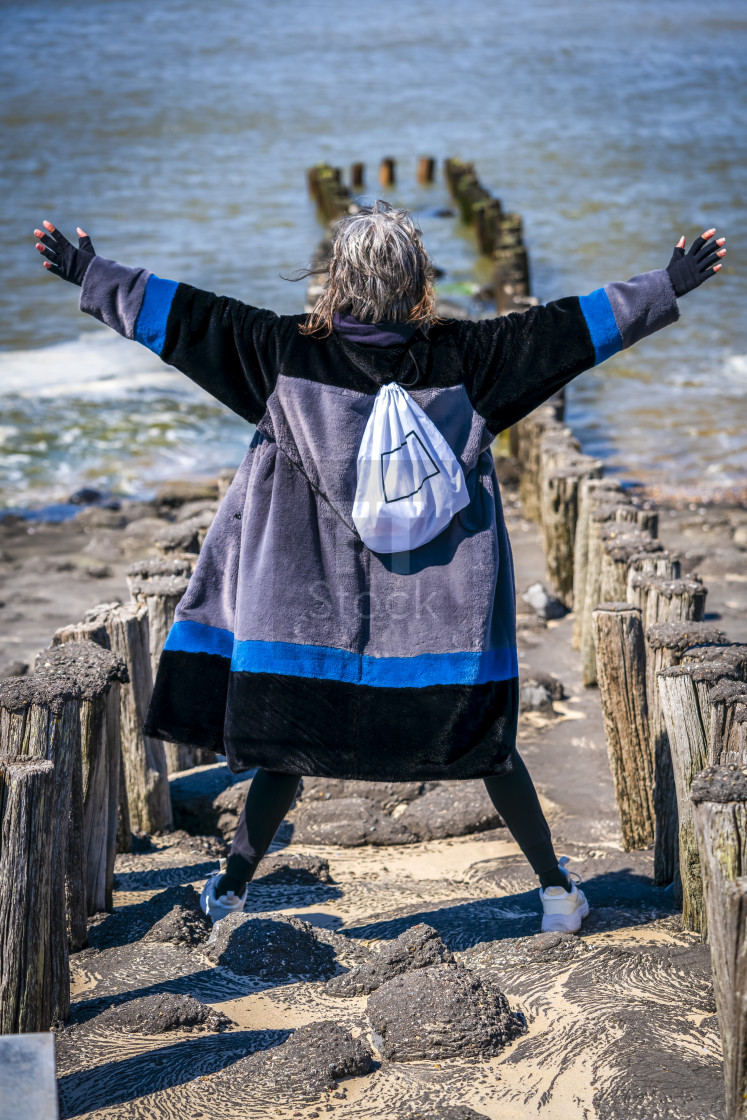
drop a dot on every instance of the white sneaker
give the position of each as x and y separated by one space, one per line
217 908
563 910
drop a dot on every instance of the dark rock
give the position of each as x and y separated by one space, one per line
347 821
270 948
543 603
291 869
144 529
131 923
444 1011
227 807
181 537
418 947
13 669
193 796
548 681
181 926
203 507
163 1012
95 571
175 492
312 1060
535 698
384 794
97 518
85 496
106 544
451 809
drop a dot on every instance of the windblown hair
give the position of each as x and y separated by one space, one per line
378 270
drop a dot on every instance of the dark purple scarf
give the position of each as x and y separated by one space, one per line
385 333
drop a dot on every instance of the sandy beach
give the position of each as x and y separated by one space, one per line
618 1021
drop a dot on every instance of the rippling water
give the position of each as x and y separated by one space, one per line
177 134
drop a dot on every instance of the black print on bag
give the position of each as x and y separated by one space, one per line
417 460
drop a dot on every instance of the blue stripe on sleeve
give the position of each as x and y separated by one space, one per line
150 327
326 663
600 319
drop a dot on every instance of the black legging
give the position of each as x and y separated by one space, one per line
271 795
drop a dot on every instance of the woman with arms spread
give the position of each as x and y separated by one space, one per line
297 648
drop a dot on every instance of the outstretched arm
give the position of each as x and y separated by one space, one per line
227 347
517 361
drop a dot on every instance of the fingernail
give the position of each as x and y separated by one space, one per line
721 240
716 267
720 252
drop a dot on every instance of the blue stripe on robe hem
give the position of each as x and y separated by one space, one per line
150 326
600 319
326 663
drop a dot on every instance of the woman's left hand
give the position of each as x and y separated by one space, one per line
689 270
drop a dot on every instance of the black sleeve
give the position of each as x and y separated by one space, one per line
517 361
229 348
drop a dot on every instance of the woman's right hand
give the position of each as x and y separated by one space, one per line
63 259
688 270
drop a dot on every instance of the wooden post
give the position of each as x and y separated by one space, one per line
621 668
719 800
661 565
667 600
666 642
161 595
684 691
589 490
726 698
601 513
99 674
124 629
733 655
560 514
27 802
40 718
532 428
357 176
387 173
617 549
426 170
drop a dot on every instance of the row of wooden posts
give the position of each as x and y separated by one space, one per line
498 233
77 775
673 691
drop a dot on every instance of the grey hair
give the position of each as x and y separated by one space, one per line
378 270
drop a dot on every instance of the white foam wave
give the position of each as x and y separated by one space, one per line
96 365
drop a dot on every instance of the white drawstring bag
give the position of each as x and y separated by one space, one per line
410 483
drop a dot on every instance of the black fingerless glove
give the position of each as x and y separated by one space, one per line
67 261
689 270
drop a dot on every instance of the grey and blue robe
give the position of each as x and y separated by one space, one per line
295 648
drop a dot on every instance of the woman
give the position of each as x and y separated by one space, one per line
295 648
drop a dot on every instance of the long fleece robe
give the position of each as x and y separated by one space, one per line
295 648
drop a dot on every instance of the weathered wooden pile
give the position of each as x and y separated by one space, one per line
77 775
499 235
673 691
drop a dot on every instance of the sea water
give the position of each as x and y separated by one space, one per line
178 134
